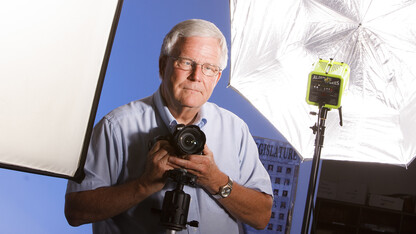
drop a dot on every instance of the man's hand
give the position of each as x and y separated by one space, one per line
204 167
157 164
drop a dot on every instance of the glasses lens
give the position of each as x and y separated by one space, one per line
185 64
210 70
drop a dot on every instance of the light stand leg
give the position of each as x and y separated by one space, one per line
319 129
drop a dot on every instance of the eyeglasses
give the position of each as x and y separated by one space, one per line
188 65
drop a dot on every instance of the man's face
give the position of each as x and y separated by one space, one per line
190 89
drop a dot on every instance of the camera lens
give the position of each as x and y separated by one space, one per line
189 140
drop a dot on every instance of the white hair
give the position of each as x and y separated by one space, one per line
193 28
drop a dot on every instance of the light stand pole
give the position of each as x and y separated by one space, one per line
319 130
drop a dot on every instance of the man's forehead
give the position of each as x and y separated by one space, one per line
183 40
201 42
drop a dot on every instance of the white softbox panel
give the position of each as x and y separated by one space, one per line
53 57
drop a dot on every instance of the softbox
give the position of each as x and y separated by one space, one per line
54 54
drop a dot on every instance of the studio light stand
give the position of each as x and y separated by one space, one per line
325 87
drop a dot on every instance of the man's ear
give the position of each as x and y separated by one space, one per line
162 66
218 77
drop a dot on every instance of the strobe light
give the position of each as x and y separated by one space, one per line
326 83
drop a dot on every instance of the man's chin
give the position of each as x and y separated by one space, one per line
193 98
192 103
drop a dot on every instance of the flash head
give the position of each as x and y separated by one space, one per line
188 139
326 83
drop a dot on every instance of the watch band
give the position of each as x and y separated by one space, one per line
225 190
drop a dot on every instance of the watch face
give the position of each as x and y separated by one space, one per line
225 192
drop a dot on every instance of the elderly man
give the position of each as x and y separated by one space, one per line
125 179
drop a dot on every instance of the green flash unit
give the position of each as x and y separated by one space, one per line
326 83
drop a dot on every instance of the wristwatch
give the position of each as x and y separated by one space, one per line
225 190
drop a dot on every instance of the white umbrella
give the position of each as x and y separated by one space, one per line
274 44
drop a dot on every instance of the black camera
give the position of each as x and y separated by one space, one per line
188 139
185 140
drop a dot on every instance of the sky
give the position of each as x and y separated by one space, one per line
34 204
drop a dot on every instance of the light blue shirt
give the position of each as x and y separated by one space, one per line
118 151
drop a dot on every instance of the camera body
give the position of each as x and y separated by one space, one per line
185 140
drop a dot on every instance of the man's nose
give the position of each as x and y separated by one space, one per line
197 73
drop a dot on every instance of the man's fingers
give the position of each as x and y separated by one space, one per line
195 165
179 162
183 163
160 150
157 146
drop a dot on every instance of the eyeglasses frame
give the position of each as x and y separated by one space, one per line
194 65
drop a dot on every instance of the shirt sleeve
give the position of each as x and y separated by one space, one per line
102 165
258 179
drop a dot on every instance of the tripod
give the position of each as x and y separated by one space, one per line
176 202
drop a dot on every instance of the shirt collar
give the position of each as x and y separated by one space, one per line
168 118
